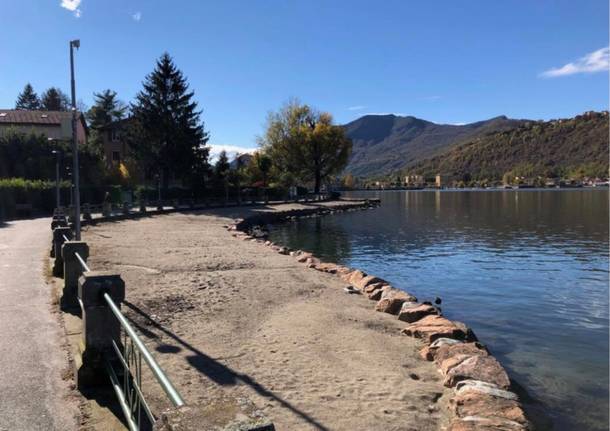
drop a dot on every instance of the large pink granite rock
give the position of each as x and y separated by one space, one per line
412 311
433 327
392 299
363 282
477 367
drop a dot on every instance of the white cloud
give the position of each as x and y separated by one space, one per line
72 6
137 16
232 150
596 61
356 108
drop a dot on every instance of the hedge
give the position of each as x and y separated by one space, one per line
40 194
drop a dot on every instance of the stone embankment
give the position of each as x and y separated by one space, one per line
482 397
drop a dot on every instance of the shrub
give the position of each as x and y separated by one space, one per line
40 194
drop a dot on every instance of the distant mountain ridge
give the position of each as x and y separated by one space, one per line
573 147
387 143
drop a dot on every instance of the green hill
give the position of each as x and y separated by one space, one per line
569 147
383 144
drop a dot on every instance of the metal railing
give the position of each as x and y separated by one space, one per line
92 212
128 384
130 393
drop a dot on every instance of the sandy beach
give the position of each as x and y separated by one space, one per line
231 318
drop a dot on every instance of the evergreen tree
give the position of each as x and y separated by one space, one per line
106 109
221 173
54 100
28 99
166 135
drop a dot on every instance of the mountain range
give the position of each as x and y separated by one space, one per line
382 144
573 148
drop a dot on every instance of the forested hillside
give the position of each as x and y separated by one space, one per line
569 147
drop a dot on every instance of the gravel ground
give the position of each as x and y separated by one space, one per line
232 318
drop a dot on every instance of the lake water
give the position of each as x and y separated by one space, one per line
526 269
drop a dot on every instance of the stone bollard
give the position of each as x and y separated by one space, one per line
106 209
72 271
71 214
125 208
87 212
58 240
59 221
100 325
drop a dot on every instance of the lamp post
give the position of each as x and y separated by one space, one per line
57 197
75 179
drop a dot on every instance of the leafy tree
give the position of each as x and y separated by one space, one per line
236 175
305 142
166 134
28 99
106 109
348 181
54 100
30 156
221 173
263 164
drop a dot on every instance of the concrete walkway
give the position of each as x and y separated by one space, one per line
33 395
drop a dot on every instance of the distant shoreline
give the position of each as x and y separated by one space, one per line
480 189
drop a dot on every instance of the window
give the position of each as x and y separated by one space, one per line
116 156
114 135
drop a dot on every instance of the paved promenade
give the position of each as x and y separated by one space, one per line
33 395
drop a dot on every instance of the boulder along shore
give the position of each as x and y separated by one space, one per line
232 316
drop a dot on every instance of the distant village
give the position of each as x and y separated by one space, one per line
442 181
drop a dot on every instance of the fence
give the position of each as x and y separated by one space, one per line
112 347
108 211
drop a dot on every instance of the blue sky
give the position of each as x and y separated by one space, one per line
444 61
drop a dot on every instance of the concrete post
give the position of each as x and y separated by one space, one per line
58 240
106 209
72 271
87 212
100 326
58 221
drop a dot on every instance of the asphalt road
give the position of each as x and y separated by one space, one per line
32 394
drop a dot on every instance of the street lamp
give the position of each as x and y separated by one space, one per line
75 179
57 197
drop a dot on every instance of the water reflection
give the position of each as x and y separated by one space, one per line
528 270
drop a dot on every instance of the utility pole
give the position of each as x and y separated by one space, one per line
57 198
75 178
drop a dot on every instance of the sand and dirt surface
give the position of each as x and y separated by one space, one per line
231 318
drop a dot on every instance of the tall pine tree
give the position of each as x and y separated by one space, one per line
28 99
106 109
166 134
54 100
